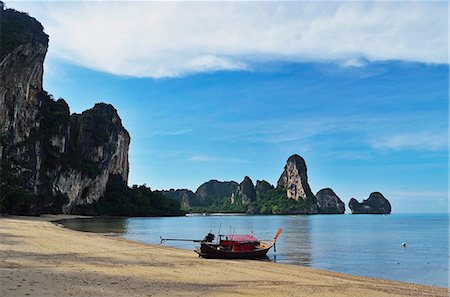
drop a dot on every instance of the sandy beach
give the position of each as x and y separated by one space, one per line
39 258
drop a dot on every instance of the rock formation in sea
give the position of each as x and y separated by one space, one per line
186 197
329 203
51 160
375 204
215 191
294 180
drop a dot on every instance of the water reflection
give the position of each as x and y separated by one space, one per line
111 226
295 244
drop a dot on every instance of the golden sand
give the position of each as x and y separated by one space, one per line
39 258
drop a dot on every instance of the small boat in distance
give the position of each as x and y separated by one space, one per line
232 246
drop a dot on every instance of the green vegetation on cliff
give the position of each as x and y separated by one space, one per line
15 197
121 200
54 124
222 205
275 201
17 28
16 200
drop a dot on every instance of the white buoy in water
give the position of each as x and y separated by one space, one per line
404 244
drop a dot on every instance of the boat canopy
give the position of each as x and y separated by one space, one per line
241 238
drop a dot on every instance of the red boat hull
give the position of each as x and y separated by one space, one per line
216 251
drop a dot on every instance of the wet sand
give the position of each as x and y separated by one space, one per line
38 258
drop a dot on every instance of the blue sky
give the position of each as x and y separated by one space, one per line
366 104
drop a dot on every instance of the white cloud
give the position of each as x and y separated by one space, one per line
166 39
354 62
200 158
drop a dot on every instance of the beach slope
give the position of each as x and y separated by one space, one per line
39 258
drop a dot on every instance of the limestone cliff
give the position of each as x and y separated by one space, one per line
245 191
99 145
329 202
21 71
262 187
294 180
375 204
49 159
215 191
186 197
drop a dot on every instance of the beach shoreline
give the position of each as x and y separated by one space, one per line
40 258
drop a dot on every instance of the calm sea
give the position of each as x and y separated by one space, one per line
367 245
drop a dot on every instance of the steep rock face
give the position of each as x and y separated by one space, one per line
99 143
214 190
329 202
245 191
294 180
375 204
21 71
186 197
44 151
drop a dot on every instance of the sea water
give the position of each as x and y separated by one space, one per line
366 245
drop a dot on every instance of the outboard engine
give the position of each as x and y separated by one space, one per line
209 237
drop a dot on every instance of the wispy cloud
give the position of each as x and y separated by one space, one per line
208 158
422 141
167 39
178 132
382 133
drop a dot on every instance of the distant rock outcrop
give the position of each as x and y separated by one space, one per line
245 191
186 197
294 180
375 204
214 190
329 203
291 196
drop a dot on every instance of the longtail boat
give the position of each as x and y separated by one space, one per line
233 246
